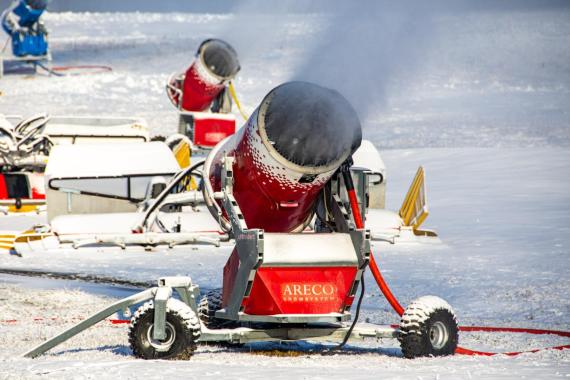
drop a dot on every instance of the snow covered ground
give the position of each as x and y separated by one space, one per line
482 100
502 215
103 351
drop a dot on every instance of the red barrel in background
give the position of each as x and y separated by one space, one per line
215 65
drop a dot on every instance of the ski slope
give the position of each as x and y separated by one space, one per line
482 101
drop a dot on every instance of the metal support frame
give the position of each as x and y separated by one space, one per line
163 293
249 245
171 239
188 293
33 59
92 320
340 197
324 333
250 249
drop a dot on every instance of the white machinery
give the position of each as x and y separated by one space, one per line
89 202
27 34
25 145
102 178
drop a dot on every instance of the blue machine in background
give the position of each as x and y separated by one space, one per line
22 22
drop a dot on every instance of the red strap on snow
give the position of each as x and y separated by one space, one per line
120 321
400 310
40 319
515 330
466 351
82 67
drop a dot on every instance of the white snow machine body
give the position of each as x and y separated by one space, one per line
105 202
98 202
403 226
281 282
25 146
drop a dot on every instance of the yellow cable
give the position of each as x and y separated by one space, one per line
234 97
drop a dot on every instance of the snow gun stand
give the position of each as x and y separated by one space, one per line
277 287
31 59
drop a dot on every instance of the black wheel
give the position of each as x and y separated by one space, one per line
182 332
207 308
428 328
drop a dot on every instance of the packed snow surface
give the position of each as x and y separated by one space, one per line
481 100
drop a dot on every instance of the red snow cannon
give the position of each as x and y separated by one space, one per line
202 86
282 158
287 151
282 282
202 95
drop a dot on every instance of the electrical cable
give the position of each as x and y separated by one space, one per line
345 170
356 315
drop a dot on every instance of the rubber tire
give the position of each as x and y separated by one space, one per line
207 308
180 316
416 323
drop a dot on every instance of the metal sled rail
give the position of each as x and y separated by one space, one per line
92 320
326 333
149 238
188 294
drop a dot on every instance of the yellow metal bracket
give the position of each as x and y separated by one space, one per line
414 210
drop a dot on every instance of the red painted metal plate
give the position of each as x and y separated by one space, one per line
210 131
300 290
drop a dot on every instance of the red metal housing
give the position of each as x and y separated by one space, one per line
210 129
283 157
215 65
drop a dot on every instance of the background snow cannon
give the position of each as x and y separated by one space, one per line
215 65
290 147
22 22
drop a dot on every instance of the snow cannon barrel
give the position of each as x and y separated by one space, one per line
22 14
289 148
28 12
215 65
39 5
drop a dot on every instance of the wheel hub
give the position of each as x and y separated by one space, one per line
438 335
163 344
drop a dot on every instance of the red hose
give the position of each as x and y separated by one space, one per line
82 67
400 310
466 351
61 70
373 267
